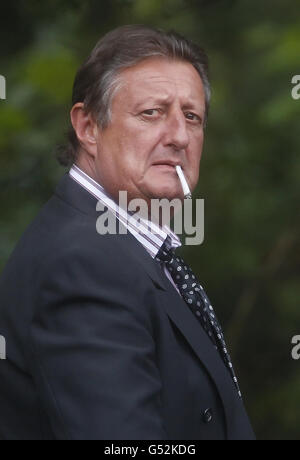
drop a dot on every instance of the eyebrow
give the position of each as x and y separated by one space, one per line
191 106
164 100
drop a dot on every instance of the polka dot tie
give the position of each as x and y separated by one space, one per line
196 298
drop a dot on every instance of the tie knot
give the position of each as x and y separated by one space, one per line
166 252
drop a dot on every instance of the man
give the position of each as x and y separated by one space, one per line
103 340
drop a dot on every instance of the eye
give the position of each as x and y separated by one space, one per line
193 117
150 112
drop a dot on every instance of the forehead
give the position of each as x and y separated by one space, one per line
159 77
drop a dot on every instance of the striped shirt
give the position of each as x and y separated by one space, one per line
148 233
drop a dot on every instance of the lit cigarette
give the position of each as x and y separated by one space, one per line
184 184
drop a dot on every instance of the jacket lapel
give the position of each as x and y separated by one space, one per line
185 321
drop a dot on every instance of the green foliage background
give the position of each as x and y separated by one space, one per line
250 261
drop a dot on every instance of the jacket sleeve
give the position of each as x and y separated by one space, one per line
92 352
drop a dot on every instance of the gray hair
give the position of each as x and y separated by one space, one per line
98 79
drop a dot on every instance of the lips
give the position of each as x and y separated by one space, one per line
166 163
163 167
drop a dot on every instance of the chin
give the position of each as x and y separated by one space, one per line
170 193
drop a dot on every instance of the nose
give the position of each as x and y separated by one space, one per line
176 133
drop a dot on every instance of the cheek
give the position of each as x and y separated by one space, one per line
194 156
139 143
196 148
129 156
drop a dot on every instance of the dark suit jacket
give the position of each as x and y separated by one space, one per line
99 343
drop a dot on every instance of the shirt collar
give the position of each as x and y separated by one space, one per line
148 233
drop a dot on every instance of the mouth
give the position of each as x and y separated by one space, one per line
167 165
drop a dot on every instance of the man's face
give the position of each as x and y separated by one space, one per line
157 117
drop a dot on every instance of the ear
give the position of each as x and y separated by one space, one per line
86 128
